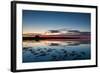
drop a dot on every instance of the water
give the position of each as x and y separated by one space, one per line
55 50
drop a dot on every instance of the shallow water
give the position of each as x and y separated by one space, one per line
55 50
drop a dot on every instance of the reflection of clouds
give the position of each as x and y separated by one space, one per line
53 43
55 50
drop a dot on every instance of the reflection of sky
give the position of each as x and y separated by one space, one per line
41 21
39 51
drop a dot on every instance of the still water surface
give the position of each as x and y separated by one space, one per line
55 50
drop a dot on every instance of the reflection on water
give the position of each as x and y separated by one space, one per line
55 50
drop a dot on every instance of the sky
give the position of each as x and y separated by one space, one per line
42 21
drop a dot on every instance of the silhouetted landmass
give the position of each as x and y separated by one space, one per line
43 38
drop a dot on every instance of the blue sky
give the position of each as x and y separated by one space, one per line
42 21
